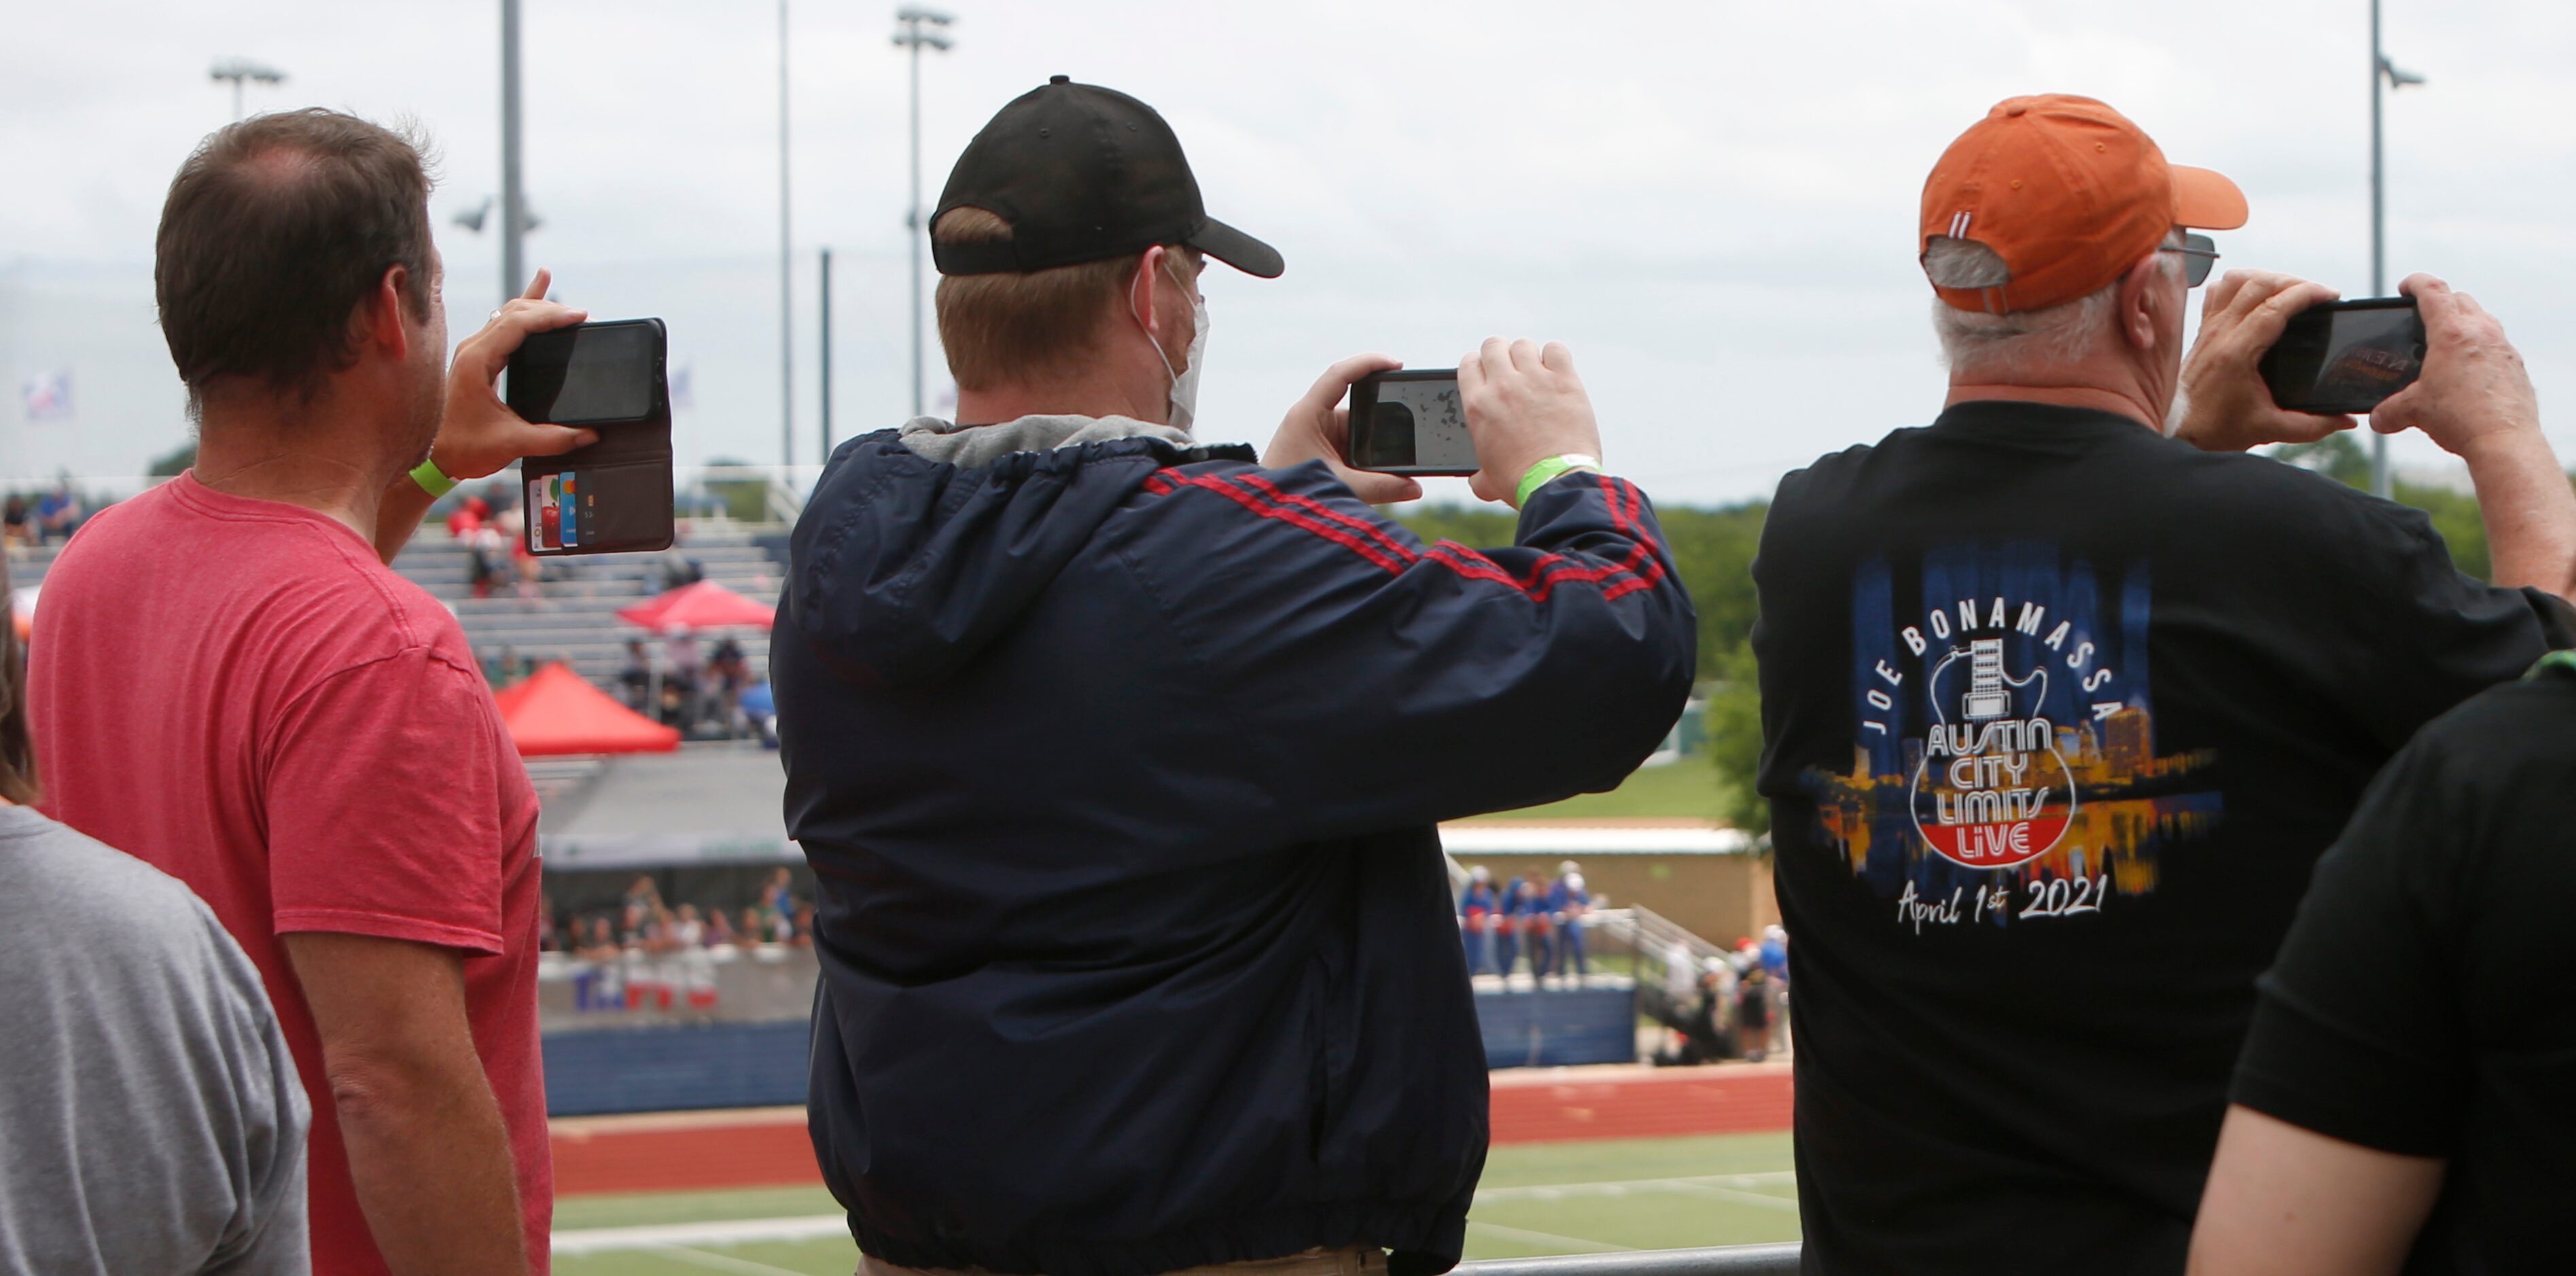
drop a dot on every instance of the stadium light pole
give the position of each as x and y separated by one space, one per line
824 355
786 318
238 70
2383 74
514 198
920 27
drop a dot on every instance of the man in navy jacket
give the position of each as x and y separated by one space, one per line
1118 757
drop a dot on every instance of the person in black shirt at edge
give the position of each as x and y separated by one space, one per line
2060 707
2407 1095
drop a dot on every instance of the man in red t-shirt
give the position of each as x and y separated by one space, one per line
229 682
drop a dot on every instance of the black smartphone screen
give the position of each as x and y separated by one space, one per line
2345 356
1410 422
592 374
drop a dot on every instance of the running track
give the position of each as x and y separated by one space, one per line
767 1147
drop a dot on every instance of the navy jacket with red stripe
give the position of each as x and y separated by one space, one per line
1118 767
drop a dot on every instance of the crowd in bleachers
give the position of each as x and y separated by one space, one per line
1729 1006
642 923
697 691
42 518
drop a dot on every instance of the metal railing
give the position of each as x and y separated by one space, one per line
1660 944
1723 1260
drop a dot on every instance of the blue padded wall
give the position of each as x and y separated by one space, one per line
1552 1028
734 1065
721 1065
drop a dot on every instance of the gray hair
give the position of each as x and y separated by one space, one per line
2016 339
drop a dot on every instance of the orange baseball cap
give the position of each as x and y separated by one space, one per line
2069 193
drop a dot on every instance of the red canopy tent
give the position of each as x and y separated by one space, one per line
704 605
555 711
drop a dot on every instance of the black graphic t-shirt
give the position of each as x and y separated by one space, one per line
2420 1004
2057 716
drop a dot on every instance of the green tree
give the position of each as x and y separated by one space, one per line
1475 526
2455 514
1712 552
1712 549
1735 739
744 500
174 462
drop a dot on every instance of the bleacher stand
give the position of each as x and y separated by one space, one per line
573 615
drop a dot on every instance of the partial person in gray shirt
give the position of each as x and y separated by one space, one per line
151 1122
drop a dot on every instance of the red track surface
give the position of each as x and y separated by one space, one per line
767 1147
1559 1105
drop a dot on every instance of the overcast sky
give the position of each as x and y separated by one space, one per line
1712 202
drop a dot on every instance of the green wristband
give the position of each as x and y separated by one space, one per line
1541 474
432 479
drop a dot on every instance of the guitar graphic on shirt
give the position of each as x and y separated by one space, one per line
1993 789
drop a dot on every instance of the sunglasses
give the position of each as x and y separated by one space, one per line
2200 254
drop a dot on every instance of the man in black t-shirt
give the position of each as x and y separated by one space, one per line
2059 711
2410 1080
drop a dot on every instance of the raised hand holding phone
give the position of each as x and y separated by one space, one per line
478 434
2473 386
1317 428
2225 404
1524 405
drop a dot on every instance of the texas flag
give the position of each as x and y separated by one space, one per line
49 396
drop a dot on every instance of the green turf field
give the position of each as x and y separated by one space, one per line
1684 789
1548 1198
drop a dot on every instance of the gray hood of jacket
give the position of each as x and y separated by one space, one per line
974 446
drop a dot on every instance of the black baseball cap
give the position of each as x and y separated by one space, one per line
1083 173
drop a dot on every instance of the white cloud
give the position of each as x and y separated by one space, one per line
1712 202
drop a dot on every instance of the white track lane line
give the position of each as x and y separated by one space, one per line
1525 1236
1566 1191
675 1238
738 1231
1766 1201
720 1262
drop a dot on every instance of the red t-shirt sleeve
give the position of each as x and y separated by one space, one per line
383 809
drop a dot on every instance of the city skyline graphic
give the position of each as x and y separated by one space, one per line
2007 739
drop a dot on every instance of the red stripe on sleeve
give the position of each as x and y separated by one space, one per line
1294 518
1641 566
1361 525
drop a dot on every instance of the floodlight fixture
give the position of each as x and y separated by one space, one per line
239 70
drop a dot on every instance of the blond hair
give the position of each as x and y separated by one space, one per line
1001 329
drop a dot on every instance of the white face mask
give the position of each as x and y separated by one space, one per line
1185 382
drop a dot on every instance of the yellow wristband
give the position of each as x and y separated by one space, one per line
432 479
1541 474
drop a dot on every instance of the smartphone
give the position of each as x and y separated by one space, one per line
615 495
2346 356
1409 421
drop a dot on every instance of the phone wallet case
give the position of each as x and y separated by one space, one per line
614 496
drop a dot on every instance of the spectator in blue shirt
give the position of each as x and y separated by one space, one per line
58 514
1478 919
1519 902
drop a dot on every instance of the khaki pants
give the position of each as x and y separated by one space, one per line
1359 1260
